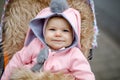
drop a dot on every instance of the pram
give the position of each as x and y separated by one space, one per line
18 13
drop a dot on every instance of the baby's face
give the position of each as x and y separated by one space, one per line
58 33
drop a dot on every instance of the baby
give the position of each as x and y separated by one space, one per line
52 44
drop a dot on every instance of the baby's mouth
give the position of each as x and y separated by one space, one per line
58 40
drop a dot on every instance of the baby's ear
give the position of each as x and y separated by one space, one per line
58 6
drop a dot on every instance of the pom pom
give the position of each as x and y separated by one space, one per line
58 6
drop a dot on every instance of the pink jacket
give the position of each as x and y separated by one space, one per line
70 60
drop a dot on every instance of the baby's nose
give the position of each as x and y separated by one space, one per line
58 33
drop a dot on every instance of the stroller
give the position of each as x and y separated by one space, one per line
18 13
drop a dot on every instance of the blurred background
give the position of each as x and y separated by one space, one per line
105 63
106 58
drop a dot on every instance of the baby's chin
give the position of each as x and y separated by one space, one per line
56 49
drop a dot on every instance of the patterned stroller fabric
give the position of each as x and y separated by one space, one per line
3 28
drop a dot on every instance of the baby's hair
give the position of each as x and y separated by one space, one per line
58 6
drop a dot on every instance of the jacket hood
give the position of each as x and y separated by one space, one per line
37 24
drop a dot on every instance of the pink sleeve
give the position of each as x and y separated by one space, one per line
15 62
80 67
26 57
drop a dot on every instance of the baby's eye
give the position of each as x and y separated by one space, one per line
66 30
52 29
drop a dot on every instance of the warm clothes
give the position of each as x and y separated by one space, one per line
70 61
